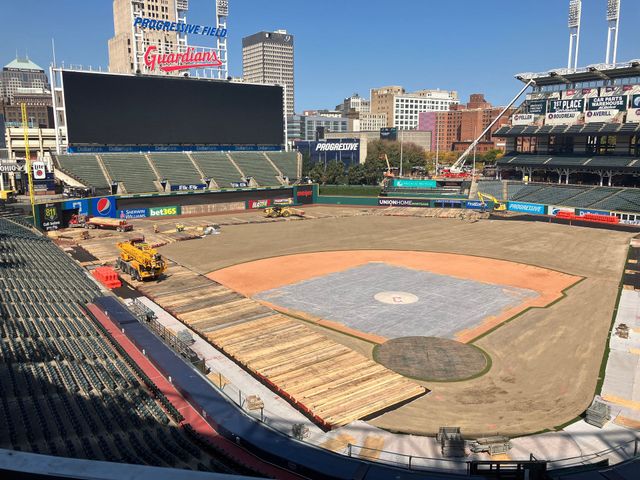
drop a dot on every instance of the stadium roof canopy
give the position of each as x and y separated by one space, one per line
591 73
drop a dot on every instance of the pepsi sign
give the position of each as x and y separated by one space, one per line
103 207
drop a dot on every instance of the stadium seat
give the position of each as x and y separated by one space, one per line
254 164
132 170
217 165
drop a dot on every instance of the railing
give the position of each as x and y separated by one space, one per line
299 431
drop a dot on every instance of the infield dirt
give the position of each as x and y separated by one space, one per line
545 362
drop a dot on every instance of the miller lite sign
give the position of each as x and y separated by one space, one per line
39 171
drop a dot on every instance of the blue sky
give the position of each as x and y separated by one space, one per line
347 46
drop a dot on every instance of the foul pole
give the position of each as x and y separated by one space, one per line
27 155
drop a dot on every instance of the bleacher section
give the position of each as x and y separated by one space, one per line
577 196
176 168
84 168
256 166
217 165
132 170
65 388
287 162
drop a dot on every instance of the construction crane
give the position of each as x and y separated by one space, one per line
139 260
458 166
497 204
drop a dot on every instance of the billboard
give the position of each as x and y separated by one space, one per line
389 134
410 183
345 150
103 207
164 211
633 115
132 213
564 112
304 194
555 210
81 205
50 216
533 208
537 107
523 119
402 202
138 111
606 109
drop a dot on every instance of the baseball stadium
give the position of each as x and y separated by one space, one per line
209 312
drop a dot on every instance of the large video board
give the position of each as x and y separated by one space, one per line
128 110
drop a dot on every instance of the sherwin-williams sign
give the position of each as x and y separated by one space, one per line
164 211
606 109
132 213
533 208
414 183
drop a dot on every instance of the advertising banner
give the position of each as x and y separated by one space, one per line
606 109
633 115
132 213
402 202
181 188
523 119
554 210
389 133
50 216
39 171
252 204
103 207
583 211
533 208
304 194
476 205
164 211
537 107
565 112
81 205
408 183
283 201
338 146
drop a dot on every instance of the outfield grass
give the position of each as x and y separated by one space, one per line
351 190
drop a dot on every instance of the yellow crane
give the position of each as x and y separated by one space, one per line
139 260
497 204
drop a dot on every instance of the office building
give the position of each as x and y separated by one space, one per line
313 127
21 73
267 57
129 42
402 108
456 129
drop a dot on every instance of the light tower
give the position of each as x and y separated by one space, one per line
613 17
222 12
575 14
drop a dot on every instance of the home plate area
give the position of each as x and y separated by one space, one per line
392 302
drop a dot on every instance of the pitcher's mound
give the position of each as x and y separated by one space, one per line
431 358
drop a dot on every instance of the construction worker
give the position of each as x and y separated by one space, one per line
155 228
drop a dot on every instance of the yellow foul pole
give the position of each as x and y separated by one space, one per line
25 128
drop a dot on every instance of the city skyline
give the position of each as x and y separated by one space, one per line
353 47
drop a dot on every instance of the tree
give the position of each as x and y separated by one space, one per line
357 175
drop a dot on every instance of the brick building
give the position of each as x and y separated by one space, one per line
456 129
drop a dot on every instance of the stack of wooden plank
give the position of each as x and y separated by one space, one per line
331 383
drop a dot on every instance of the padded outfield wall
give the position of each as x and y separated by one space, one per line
56 214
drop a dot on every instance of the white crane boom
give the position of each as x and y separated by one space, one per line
457 167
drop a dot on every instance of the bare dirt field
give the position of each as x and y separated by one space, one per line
545 362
